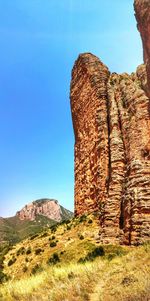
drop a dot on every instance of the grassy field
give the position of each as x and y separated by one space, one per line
122 278
71 265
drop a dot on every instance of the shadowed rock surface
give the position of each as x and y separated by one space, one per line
111 119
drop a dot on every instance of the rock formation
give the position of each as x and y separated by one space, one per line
46 207
111 119
142 13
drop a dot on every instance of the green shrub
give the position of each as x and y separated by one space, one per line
38 251
25 269
52 237
98 251
81 237
53 244
90 221
53 228
82 218
44 234
68 227
33 236
81 260
114 251
20 251
28 251
53 259
3 277
36 269
11 261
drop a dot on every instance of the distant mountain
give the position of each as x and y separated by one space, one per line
32 219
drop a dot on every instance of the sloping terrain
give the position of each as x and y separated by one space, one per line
14 229
69 263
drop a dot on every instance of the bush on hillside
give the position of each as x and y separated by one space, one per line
98 251
38 251
82 218
28 251
33 236
53 259
11 261
53 244
36 269
53 228
25 269
44 234
3 277
81 237
20 251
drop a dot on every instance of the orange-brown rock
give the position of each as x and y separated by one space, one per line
111 119
112 149
142 13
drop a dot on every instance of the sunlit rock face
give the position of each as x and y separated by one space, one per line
142 13
46 207
112 149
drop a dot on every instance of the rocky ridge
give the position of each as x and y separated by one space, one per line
46 207
111 119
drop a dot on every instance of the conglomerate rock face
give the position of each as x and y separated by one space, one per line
111 119
142 13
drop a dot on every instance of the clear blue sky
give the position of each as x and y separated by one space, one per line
39 42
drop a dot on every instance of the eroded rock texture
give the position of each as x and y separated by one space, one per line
142 13
46 207
112 149
111 118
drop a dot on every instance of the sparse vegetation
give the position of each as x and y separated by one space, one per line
81 237
3 277
98 251
122 279
28 251
53 244
70 266
54 228
20 251
38 251
25 269
53 259
52 237
34 236
11 261
44 234
82 218
36 269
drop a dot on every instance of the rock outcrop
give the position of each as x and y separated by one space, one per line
111 119
46 207
142 13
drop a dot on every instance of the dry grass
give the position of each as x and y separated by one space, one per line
124 278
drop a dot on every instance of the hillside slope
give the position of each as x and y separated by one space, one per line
20 226
69 263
